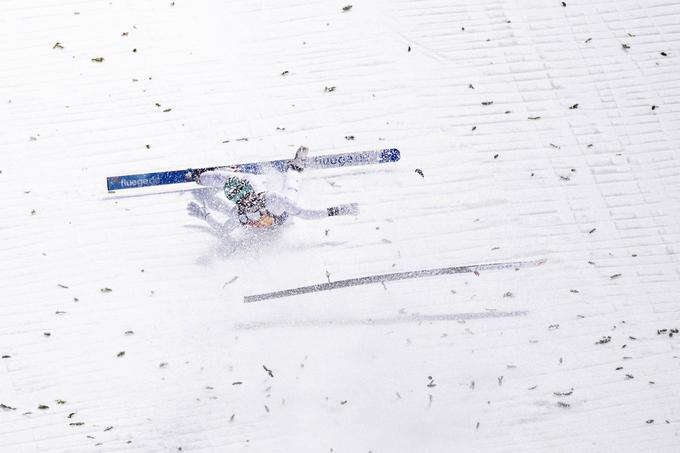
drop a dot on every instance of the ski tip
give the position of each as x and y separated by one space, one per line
390 155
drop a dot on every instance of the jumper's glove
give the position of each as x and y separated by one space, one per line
197 211
344 209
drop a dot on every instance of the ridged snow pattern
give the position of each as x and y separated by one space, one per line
527 130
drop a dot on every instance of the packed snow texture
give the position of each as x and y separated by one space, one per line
528 129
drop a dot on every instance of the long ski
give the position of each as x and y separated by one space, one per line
190 174
474 268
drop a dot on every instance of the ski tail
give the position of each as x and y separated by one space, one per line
191 174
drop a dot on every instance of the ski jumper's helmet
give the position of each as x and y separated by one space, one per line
237 188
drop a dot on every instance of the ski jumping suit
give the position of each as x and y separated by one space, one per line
269 208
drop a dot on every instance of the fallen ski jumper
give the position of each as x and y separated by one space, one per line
247 208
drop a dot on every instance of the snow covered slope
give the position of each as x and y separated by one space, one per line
542 130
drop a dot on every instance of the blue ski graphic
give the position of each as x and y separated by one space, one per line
190 174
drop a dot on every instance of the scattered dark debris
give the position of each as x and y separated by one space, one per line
474 128
163 365
231 419
343 402
592 231
60 401
59 312
105 290
266 408
554 146
625 46
134 50
663 54
62 286
604 340
420 172
500 381
6 356
553 326
231 281
33 212
630 376
471 86
575 291
269 372
534 387
563 404
57 45
167 110
508 111
242 139
631 35
477 425
346 8
108 428
564 4
237 383
495 156
631 338
654 107
98 60
618 368
71 415
329 89
280 128
349 137
431 383
650 421
409 48
76 424
588 40
534 117
564 393
47 334
129 332
670 332
286 72
120 354
573 107
614 276
487 103
125 33
43 407
565 178
508 294
5 407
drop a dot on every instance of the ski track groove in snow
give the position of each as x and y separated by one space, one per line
605 189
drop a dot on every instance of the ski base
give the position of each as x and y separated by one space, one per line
475 268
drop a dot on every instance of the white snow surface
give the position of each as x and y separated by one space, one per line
122 323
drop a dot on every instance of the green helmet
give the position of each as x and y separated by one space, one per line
237 188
